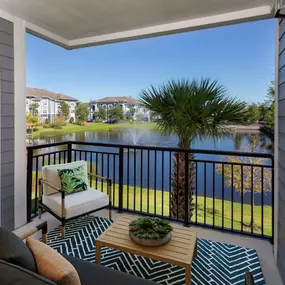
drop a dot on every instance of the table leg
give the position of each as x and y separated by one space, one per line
98 253
196 249
187 275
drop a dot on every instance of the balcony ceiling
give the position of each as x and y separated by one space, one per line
74 23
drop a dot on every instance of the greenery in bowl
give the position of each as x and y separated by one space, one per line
150 228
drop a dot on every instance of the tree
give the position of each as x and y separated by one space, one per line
190 109
63 109
116 113
59 122
132 110
34 108
263 110
82 112
269 118
33 120
253 113
101 114
252 179
270 93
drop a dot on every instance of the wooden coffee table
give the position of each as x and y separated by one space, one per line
179 251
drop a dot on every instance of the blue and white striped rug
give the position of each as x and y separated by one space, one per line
217 263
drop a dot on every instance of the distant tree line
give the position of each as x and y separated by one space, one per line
263 112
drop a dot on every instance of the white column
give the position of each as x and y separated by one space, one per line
276 143
20 121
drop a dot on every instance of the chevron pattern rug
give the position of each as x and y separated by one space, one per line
217 263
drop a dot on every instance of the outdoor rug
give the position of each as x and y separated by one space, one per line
217 263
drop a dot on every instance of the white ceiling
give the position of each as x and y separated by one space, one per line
78 19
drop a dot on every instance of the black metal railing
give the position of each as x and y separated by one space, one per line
232 191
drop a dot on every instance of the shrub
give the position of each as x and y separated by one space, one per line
79 123
59 122
46 126
46 121
71 120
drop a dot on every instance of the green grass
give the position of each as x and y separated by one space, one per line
99 127
139 202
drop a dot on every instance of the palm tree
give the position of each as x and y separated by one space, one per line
190 110
34 108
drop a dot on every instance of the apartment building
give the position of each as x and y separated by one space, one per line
48 103
128 104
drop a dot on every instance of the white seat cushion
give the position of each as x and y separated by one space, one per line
77 203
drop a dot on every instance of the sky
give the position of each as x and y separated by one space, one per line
241 57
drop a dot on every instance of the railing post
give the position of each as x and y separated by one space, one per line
69 152
29 183
121 177
186 215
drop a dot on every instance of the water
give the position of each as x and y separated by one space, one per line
232 142
158 177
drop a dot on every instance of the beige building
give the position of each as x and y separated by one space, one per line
49 103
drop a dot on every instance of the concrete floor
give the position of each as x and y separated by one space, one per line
263 248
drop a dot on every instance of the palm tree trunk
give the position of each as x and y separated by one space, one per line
179 185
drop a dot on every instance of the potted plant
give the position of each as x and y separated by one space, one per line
150 231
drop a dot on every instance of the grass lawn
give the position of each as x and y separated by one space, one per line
136 199
72 128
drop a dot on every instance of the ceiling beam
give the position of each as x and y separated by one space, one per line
259 13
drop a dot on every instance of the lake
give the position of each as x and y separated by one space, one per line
157 176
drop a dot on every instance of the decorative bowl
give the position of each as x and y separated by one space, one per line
151 242
150 231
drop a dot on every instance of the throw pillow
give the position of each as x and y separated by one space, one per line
52 265
14 250
72 180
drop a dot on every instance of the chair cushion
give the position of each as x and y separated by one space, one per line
52 265
72 180
77 203
92 273
50 174
14 250
11 274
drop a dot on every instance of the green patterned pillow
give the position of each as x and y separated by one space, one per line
72 180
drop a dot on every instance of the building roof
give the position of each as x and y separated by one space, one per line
126 99
40 93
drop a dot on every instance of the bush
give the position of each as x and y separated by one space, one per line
46 126
59 122
71 120
46 121
79 123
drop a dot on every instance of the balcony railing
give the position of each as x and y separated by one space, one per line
232 191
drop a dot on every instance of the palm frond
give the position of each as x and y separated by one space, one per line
191 109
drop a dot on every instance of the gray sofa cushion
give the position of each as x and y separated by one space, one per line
14 250
91 273
11 274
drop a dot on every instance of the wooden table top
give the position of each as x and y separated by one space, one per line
178 251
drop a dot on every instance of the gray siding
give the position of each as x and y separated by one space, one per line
281 135
7 123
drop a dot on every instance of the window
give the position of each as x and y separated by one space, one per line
44 101
72 104
72 111
27 101
44 111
